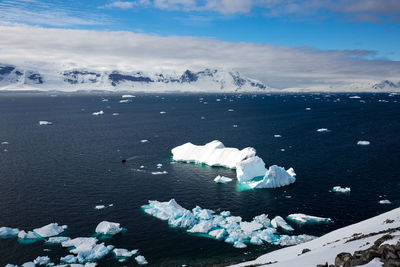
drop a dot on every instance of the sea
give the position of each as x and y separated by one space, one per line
60 172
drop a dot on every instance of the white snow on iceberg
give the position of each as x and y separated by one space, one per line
223 226
108 228
304 219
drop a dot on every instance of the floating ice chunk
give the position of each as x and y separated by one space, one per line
125 101
51 229
321 130
104 100
235 126
202 227
28 235
278 221
164 210
255 240
57 240
308 108
99 207
212 154
80 244
363 143
141 260
28 264
303 218
159 173
97 113
162 112
354 97
7 232
5 143
250 168
233 219
239 244
222 179
225 213
277 135
144 141
42 260
128 96
69 259
385 201
202 214
341 189
159 165
45 123
187 220
263 220
250 226
11 265
275 177
218 233
268 235
121 252
108 228
95 254
115 114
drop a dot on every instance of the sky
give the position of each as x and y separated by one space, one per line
284 43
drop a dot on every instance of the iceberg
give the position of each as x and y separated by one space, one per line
339 189
277 135
57 240
98 113
49 230
108 228
69 259
250 226
321 130
278 221
42 260
217 233
124 253
28 264
222 179
304 219
95 254
7 232
250 168
212 154
28 235
141 260
45 123
80 244
202 227
385 201
275 177
363 143
263 220
162 112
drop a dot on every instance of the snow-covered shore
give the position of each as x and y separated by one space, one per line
356 237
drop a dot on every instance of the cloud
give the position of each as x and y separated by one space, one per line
279 66
127 4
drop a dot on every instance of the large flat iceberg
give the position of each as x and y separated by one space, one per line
49 230
250 169
7 232
305 219
224 226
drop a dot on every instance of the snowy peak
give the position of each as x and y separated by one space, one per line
10 74
386 85
207 80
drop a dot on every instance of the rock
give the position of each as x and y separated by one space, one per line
305 250
322 265
341 258
392 263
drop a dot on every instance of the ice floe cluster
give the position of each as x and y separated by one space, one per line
224 226
250 169
83 251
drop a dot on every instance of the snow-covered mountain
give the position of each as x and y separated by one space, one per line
207 80
387 85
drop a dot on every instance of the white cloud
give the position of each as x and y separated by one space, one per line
280 66
127 4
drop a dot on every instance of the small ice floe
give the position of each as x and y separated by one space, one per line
385 201
218 100
28 264
104 100
323 130
339 189
354 97
144 141
141 260
307 219
124 253
97 113
80 244
231 110
162 112
278 221
125 101
28 235
159 173
57 240
307 108
69 259
128 96
203 118
283 150
87 249
222 179
7 232
115 114
277 135
159 165
45 123
99 207
49 230
108 228
363 143
42 260
235 126
5 143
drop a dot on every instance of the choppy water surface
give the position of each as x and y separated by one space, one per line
59 172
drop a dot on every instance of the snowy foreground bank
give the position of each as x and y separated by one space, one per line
356 239
250 169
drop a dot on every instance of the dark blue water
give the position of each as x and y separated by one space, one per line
58 173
